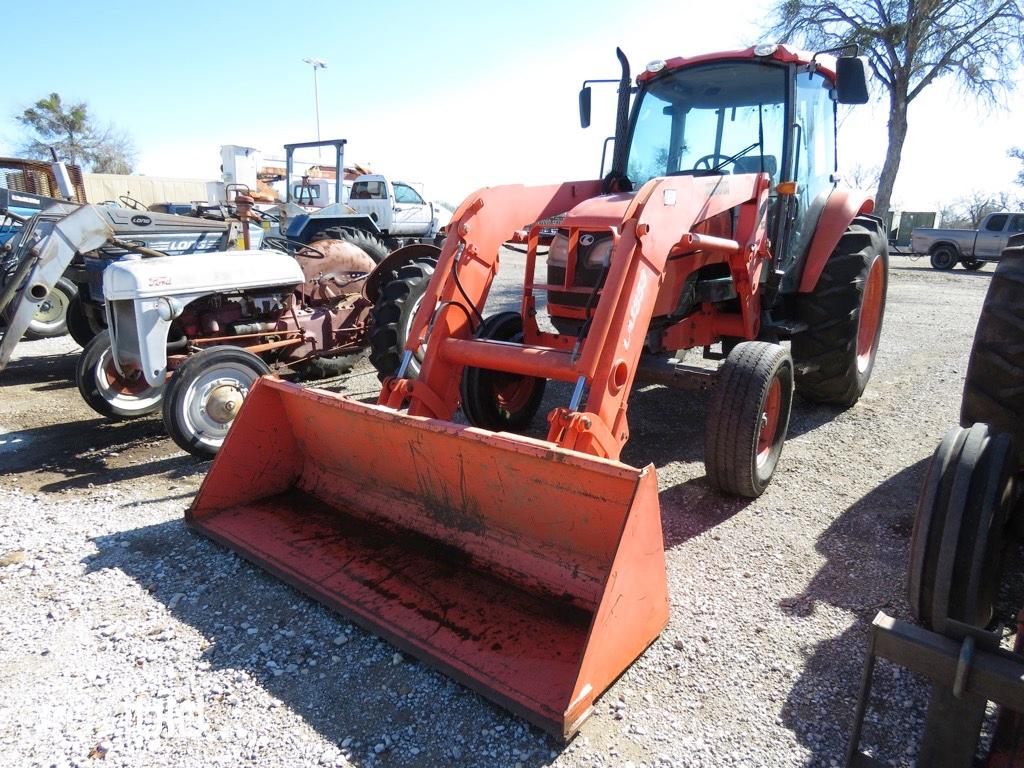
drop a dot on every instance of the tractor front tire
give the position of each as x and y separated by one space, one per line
392 316
498 401
80 327
370 244
748 418
106 391
835 356
994 387
205 394
958 541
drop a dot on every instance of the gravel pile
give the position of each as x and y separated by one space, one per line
127 640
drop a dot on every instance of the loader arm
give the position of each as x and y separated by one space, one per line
656 224
80 231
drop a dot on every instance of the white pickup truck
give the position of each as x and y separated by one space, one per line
970 247
396 207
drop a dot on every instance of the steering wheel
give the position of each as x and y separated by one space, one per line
705 163
131 202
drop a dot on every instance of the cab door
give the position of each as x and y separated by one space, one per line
412 213
992 236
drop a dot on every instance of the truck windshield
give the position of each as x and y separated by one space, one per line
696 120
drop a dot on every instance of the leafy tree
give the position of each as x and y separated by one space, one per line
70 132
909 44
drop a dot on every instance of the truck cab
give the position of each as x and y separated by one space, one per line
395 206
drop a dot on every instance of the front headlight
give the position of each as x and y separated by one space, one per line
558 251
600 255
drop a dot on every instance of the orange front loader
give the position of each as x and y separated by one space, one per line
533 570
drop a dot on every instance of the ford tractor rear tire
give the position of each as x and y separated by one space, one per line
370 244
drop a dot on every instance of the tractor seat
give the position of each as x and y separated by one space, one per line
752 164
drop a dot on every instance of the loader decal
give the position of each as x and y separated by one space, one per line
635 307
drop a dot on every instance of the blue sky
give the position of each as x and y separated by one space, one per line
454 95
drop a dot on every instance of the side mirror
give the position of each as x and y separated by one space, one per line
851 80
585 106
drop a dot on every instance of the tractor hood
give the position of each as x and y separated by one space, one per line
599 212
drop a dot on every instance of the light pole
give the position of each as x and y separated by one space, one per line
316 64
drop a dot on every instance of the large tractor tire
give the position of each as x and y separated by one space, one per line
958 540
51 319
498 401
392 316
994 388
106 391
371 245
835 356
748 418
205 394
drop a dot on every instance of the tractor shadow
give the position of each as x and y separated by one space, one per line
45 373
92 453
350 686
866 549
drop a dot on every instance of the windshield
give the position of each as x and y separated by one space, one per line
705 119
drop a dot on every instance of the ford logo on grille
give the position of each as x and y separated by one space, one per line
586 240
141 221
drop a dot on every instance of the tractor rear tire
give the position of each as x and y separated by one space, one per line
392 316
498 401
944 258
748 418
204 396
370 244
51 319
959 535
106 391
994 387
835 356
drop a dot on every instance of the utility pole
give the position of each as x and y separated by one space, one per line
316 64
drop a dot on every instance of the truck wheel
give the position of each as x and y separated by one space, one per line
51 318
835 355
944 257
972 264
392 316
371 245
498 401
748 418
204 395
994 386
80 327
106 391
957 544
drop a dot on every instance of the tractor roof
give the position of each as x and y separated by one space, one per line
781 53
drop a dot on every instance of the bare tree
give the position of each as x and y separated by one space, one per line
909 44
1018 153
968 211
864 176
69 132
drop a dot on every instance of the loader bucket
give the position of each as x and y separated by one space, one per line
533 574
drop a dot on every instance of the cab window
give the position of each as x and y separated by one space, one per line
369 190
997 223
1017 223
406 194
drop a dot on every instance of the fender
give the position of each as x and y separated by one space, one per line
840 209
395 261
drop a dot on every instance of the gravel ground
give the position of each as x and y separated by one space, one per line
127 639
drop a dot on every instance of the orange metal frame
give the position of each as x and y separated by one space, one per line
657 226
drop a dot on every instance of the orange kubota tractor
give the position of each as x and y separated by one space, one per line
533 570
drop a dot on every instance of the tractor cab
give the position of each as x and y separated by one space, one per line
767 109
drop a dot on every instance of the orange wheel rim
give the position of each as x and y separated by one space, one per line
513 393
769 422
870 314
119 384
